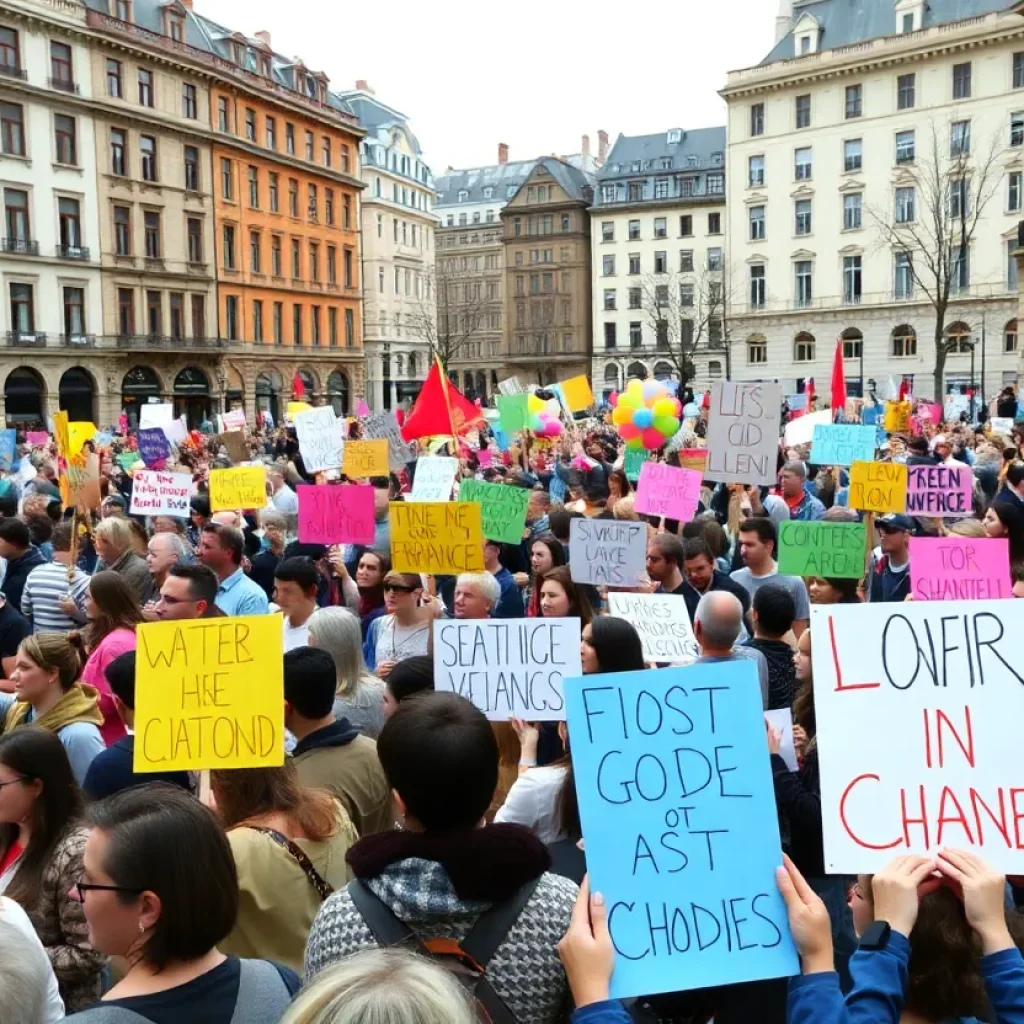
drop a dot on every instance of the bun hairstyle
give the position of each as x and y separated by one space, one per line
56 651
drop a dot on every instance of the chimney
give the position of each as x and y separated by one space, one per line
783 19
585 147
362 85
502 152
602 145
263 37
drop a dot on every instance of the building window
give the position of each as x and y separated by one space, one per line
350 328
803 111
904 341
145 87
278 323
314 261
714 259
716 184
756 226
714 223
609 298
69 225
608 266
332 265
296 260
347 267
906 86
802 211
802 279
802 159
634 298
297 324
125 312
189 103
332 329
1010 337
803 348
74 312
905 147
223 114
289 139
757 286
12 129
686 295
293 198
254 252
257 320
1018 71
329 207
757 119
122 231
194 235
610 332
959 197
115 79
61 76
852 212
757 349
1011 266
852 155
275 255
905 203
607 231
272 192
64 139
313 211
177 309
1017 128
147 154
151 226
636 335
661 262
314 324
254 187
231 317
191 169
660 227
903 276
250 124
16 218
962 81
345 167
854 101
852 280
10 56
199 317
154 314
755 171
1013 192
227 190
634 230
228 235
960 138
309 146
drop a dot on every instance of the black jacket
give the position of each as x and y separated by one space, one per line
719 581
17 572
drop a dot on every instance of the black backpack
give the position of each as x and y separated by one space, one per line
466 960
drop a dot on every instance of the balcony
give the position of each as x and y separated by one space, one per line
65 85
73 252
160 341
26 339
78 340
199 269
20 246
13 71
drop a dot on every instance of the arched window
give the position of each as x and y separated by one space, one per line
413 368
714 369
853 343
1010 336
399 364
803 348
637 370
611 375
191 381
757 349
958 337
77 391
337 393
663 370
904 341
308 382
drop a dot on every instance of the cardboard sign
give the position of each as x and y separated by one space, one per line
1002 425
443 537
667 491
8 446
577 394
663 623
743 432
633 461
154 448
155 414
161 494
940 491
508 668
235 446
832 550
797 403
958 568
363 459
239 488
939 690
333 514
502 507
435 475
878 486
37 438
929 412
801 430
209 693
510 386
384 425
485 457
362 409
294 408
694 458
513 410
897 417
83 481
675 792
607 552
842 444
321 438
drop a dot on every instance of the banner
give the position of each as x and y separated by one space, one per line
336 514
958 568
384 425
662 622
513 412
321 438
37 438
831 550
233 419
577 394
435 475
239 488
235 445
1001 425
161 494
801 430
897 417
364 459
443 537
502 508
633 462
154 448
940 491
667 491
508 668
8 446
675 792
743 433
842 444
155 414
607 552
878 486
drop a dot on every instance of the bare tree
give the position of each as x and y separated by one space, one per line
930 229
451 311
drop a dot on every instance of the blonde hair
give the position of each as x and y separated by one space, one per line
54 651
382 986
117 532
967 528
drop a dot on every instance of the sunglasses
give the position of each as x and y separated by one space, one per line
397 588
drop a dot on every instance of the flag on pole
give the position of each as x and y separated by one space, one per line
440 408
298 388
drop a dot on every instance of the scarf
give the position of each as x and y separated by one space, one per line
79 704
487 864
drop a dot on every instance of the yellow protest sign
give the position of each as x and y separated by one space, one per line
241 487
897 417
878 486
577 394
78 434
441 537
296 407
60 433
365 458
209 693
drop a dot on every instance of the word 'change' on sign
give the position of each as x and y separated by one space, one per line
332 514
878 486
607 552
241 487
662 622
939 689
842 444
834 550
508 668
957 568
668 491
436 537
503 508
743 432
943 491
675 794
161 494
209 693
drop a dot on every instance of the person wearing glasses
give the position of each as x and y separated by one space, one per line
404 631
41 845
189 592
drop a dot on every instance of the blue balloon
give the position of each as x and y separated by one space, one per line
643 418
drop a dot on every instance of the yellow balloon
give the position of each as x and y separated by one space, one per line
663 407
622 414
535 405
630 400
635 386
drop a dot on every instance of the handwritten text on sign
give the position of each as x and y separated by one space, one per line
209 694
938 689
384 425
960 568
435 475
841 444
607 552
940 490
832 550
503 508
508 668
436 537
330 514
675 795
244 487
668 491
321 438
161 494
663 623
362 459
878 486
743 433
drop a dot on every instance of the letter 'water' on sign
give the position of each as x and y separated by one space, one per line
822 549
161 494
743 433
508 668
675 792
436 537
918 708
662 622
957 568
209 693
607 552
331 514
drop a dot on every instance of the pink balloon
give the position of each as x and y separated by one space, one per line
613 399
652 439
553 428
628 432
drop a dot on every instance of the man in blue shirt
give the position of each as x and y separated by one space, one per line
221 548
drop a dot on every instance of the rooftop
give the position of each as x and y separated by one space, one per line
672 150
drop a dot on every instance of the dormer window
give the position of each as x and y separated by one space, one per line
175 27
636 166
909 14
806 35
674 136
691 161
265 66
238 53
463 195
716 159
488 192
123 10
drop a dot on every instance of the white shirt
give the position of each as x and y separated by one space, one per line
286 500
295 636
533 801
12 914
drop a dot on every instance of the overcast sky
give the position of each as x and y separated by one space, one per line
470 75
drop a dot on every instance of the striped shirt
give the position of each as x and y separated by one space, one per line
45 585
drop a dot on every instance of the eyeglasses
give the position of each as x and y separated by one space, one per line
397 588
20 778
79 889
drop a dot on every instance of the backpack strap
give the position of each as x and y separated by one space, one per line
386 928
323 888
262 993
494 924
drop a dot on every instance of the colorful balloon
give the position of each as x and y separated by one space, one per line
629 432
630 400
622 414
652 439
667 426
635 443
653 390
643 418
664 407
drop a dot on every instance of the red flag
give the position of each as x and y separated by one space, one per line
809 391
838 379
298 388
904 388
439 408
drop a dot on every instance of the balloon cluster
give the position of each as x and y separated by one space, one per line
646 413
544 421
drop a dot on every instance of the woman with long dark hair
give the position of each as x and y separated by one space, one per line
1005 519
546 553
560 597
610 644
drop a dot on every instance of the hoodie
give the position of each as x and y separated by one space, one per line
17 572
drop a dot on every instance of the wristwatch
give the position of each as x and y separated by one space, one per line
876 935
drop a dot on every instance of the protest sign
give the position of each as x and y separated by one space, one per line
842 444
676 799
209 693
1002 425
8 446
331 514
513 410
957 568
440 537
577 394
743 432
797 403
801 430
937 690
929 412
239 488
362 409
362 459
104 439
607 552
694 458
781 720
294 408
954 405
321 438
834 550
235 446
946 490
897 417
384 425
155 414
667 491
485 457
502 508
161 494
508 668
878 486
176 431
434 477
127 459
663 623
37 438
510 386
154 448
633 461
233 419
83 481
78 434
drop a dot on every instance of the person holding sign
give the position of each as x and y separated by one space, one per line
758 544
888 577
545 553
404 631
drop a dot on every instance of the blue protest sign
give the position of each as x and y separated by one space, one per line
154 448
842 444
8 441
678 809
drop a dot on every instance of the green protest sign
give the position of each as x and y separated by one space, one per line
513 412
635 458
127 459
502 506
822 549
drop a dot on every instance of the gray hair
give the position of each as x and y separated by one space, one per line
337 631
178 546
382 986
270 518
797 467
486 585
720 615
24 967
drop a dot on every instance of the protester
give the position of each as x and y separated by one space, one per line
701 573
164 551
27 981
404 631
560 597
832 590
510 602
221 548
412 676
189 592
115 546
282 497
888 576
1006 519
373 566
758 543
665 563
53 598
21 556
477 595
545 553
1012 490
275 529
772 613
716 628
14 627
199 516
295 586
609 644
801 503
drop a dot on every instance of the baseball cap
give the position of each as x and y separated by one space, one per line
894 521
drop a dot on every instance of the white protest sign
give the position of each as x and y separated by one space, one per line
234 419
510 386
384 424
508 668
176 431
161 494
156 415
434 477
663 623
918 708
321 438
781 720
801 430
1002 425
607 552
743 433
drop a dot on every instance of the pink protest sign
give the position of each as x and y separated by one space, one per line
929 413
362 409
484 457
960 568
940 490
40 437
332 514
667 491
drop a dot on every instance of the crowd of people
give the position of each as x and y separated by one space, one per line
412 862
